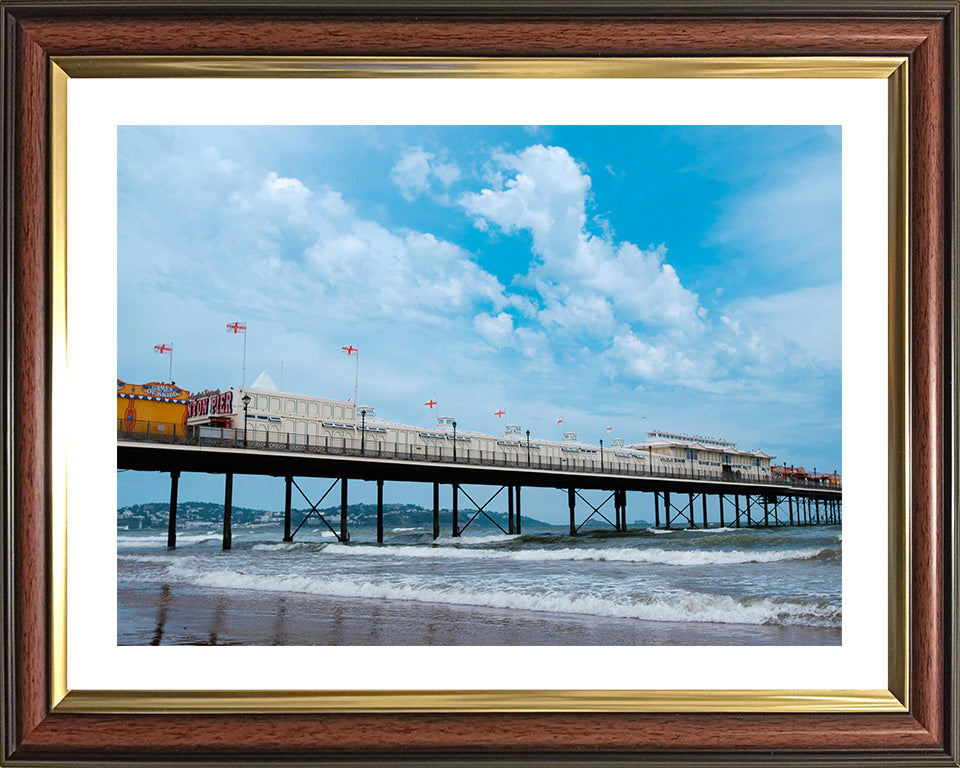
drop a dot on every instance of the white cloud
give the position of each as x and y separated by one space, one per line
626 308
497 330
808 318
656 362
413 174
791 223
585 279
288 188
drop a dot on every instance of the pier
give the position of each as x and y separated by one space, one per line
680 497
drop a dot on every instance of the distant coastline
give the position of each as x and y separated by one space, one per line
202 514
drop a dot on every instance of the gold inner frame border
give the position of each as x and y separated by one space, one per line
895 699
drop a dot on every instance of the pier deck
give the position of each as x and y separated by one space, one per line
175 453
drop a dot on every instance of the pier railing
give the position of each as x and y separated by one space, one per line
603 461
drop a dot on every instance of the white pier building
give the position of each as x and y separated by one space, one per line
273 416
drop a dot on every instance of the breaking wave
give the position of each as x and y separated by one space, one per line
657 556
679 607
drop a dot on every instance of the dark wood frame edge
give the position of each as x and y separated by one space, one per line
927 32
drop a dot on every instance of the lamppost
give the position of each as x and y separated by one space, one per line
528 447
363 429
601 454
246 404
454 442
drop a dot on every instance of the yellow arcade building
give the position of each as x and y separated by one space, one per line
155 407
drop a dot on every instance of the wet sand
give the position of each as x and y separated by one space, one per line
160 614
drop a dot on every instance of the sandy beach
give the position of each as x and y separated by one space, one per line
160 614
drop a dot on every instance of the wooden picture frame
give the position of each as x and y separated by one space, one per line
38 731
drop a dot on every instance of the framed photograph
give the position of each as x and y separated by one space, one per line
454 193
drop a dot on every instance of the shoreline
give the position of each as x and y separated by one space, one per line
179 614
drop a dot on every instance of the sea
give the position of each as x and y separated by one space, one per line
715 586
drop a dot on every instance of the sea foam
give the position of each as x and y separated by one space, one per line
619 555
682 607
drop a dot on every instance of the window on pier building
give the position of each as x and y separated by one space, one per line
691 454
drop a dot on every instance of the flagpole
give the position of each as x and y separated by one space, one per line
243 375
170 374
356 382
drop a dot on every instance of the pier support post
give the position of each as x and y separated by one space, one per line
172 520
690 512
228 511
344 532
666 507
436 510
572 503
736 507
749 519
720 499
456 521
656 509
288 481
703 497
623 507
511 529
379 511
518 511
766 511
790 507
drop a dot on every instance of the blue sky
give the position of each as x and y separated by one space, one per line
683 278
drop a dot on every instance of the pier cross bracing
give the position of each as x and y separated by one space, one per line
680 500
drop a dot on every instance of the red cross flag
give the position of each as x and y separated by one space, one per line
350 350
559 421
163 348
429 404
237 327
499 414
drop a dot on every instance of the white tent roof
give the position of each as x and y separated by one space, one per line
265 382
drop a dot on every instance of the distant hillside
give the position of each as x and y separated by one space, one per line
204 513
